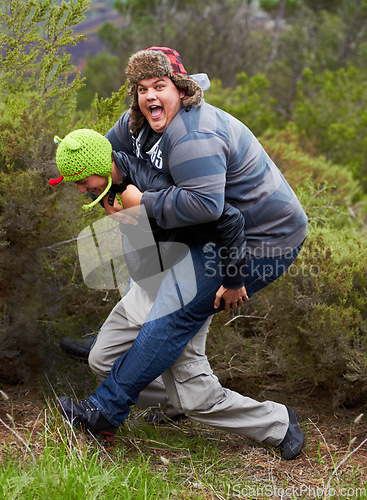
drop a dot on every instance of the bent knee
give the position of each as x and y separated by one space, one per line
198 389
95 360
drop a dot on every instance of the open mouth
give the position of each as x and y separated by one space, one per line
155 111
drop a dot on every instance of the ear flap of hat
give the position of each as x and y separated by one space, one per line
193 91
137 119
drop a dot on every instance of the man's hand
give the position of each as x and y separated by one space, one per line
131 197
117 212
115 208
232 298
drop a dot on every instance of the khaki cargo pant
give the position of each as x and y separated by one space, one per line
189 385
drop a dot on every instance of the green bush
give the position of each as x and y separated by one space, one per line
330 112
37 97
37 94
104 112
30 220
309 327
42 294
328 192
249 101
319 315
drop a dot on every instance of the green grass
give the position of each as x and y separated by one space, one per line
145 462
72 474
183 461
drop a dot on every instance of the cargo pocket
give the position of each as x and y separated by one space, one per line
196 385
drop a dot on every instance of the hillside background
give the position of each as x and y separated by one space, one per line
96 15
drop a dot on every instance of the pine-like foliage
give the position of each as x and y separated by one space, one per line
36 95
35 87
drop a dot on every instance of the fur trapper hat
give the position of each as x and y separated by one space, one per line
156 62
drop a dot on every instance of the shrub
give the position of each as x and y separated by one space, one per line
42 294
36 97
318 315
29 220
104 112
322 186
330 112
309 327
36 92
249 101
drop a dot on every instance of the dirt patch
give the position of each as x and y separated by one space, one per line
22 417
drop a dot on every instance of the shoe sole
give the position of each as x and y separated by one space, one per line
107 436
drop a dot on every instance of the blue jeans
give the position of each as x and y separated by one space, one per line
163 337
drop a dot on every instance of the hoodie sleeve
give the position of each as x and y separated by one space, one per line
137 171
231 237
198 165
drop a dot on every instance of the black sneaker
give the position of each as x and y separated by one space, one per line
84 415
292 444
77 349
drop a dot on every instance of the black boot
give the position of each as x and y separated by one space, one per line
84 415
77 349
292 444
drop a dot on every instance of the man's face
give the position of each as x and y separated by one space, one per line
96 184
159 101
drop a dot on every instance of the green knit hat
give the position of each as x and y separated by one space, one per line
82 153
